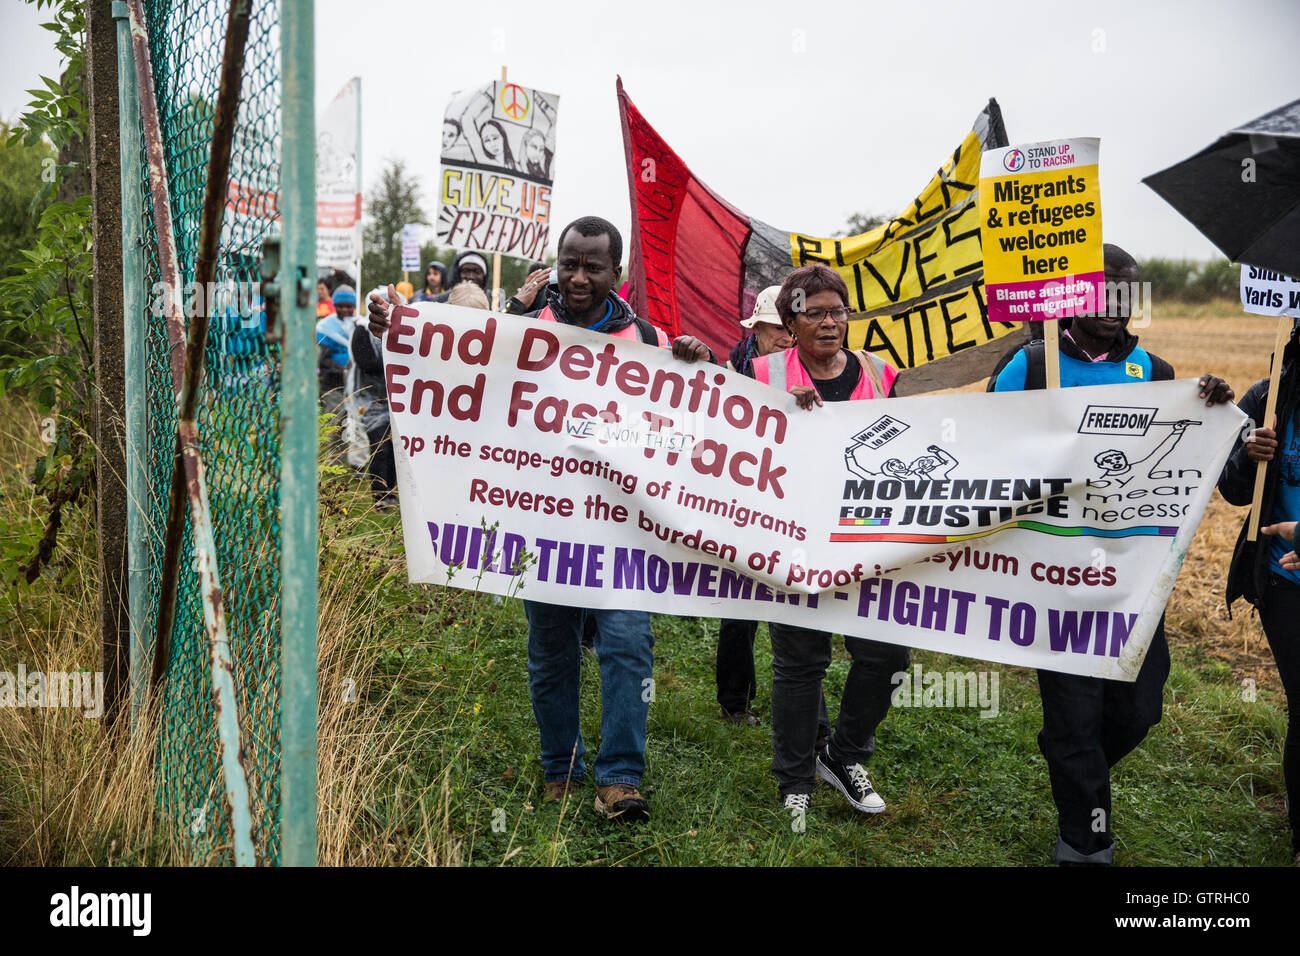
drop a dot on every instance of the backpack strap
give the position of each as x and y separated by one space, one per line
871 366
1161 371
647 331
1036 365
776 370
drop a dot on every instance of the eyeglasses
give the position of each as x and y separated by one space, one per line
815 316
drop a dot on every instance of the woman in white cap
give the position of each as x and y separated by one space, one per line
766 334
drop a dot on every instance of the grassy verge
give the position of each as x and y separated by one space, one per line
461 779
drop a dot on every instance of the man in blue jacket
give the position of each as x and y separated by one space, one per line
1089 723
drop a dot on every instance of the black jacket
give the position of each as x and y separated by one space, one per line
621 318
1248 573
370 366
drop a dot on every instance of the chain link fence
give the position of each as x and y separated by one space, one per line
239 422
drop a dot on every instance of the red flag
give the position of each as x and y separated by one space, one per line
696 263
686 266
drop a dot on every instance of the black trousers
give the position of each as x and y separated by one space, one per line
382 465
799 660
734 671
1089 724
1281 619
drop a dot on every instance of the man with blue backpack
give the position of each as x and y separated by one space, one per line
1089 723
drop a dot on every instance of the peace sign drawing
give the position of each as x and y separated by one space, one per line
514 101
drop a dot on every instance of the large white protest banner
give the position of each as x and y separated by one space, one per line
498 151
338 182
575 468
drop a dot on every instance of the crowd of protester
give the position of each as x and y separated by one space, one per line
795 340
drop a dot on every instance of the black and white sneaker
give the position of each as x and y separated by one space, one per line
850 780
796 802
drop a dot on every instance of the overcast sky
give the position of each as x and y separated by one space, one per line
801 114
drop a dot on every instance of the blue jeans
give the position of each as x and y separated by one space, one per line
626 650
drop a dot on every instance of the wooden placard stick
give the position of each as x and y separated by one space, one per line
1270 410
496 256
1052 351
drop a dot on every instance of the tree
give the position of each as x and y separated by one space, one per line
861 222
390 205
24 170
45 302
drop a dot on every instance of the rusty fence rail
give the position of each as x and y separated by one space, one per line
213 172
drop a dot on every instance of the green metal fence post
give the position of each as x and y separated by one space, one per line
133 315
298 423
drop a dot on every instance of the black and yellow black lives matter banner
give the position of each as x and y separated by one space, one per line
916 283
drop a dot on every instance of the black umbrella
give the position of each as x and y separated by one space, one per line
1250 210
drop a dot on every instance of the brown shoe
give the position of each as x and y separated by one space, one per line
741 718
557 790
622 802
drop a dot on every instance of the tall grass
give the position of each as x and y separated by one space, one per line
70 792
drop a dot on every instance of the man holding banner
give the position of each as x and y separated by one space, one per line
1090 723
588 269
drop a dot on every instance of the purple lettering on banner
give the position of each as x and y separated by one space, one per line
656 572
996 607
734 585
485 543
544 548
934 608
682 581
908 603
867 595
511 547
1121 625
964 600
568 565
455 537
1069 630
594 565
707 574
629 568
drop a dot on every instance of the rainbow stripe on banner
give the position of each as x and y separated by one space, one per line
852 522
1077 531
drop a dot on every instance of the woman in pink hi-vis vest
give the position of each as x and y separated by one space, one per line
813 305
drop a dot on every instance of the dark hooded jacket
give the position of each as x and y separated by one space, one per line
620 317
423 295
453 277
1248 573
